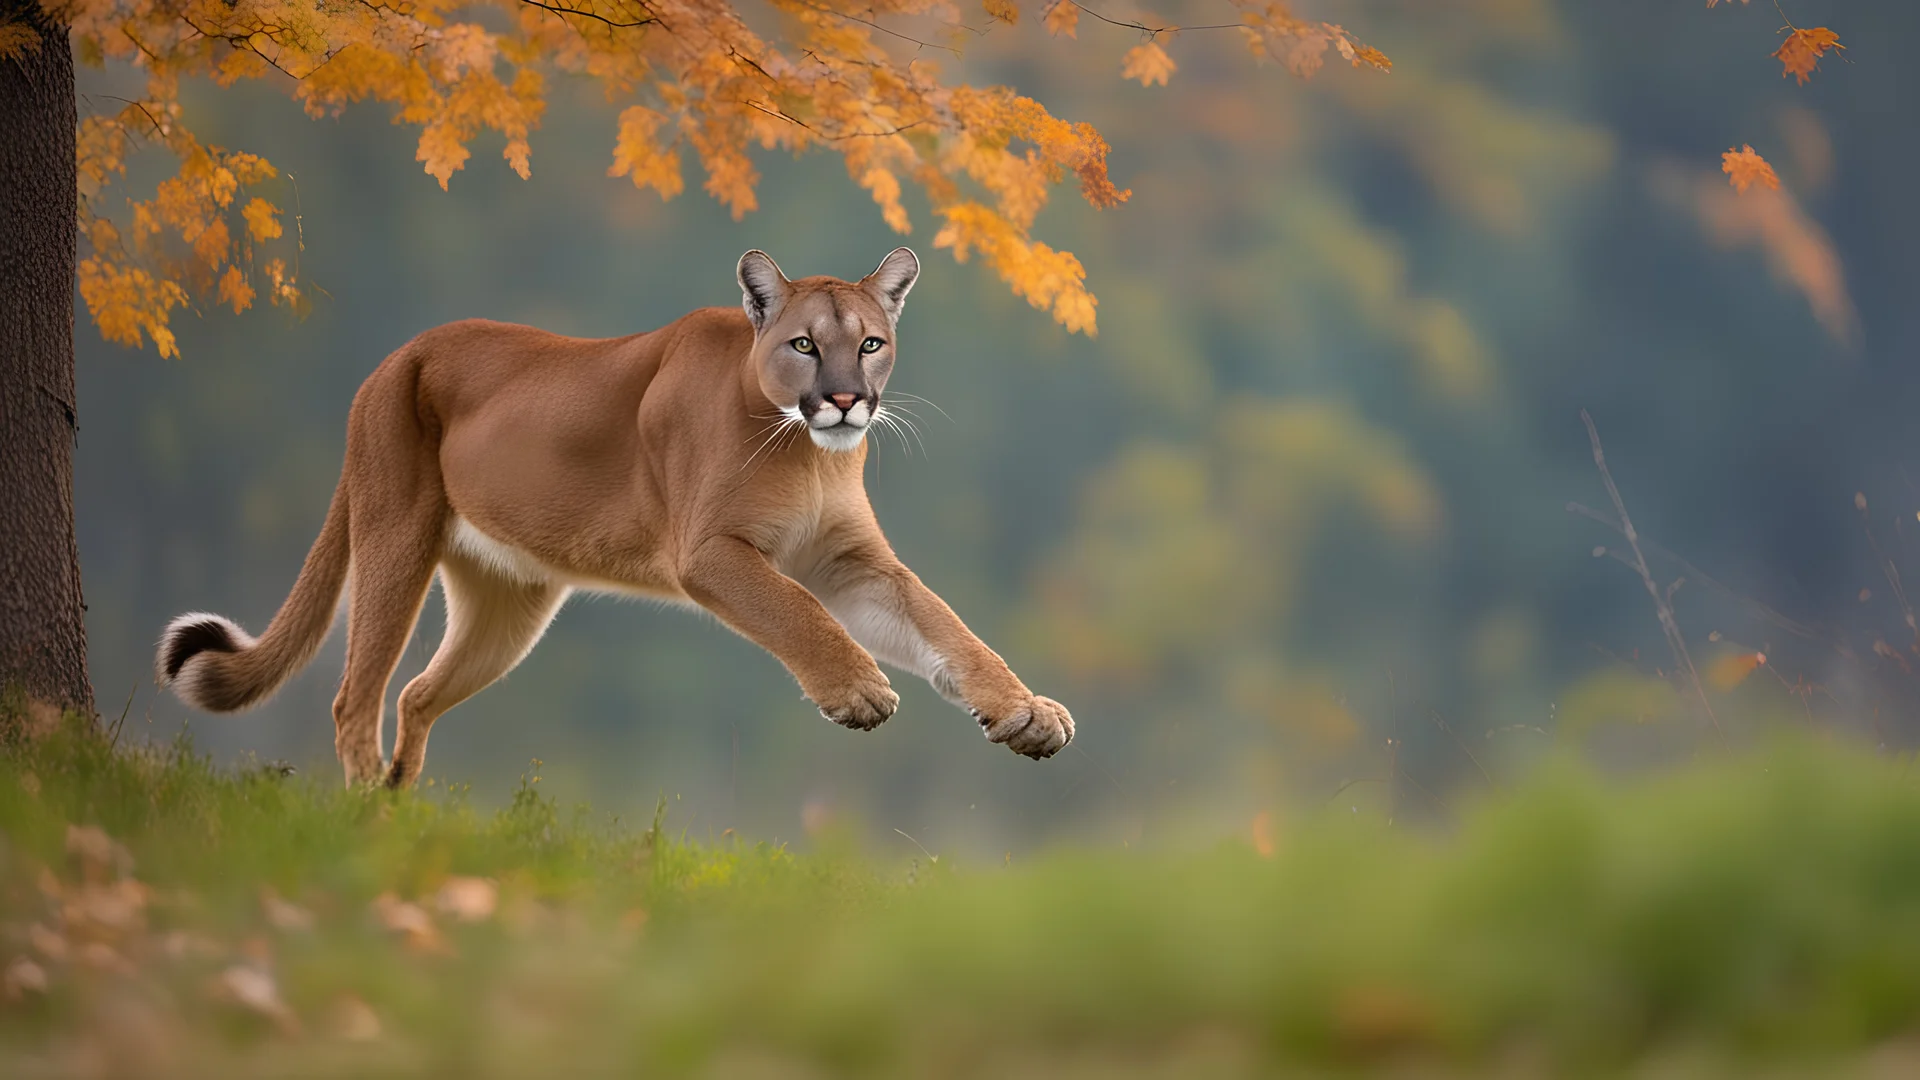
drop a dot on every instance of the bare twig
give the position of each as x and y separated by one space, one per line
1457 741
931 857
565 11
1768 614
1887 567
114 739
1151 31
1661 604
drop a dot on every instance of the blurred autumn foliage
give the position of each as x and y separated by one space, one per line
852 78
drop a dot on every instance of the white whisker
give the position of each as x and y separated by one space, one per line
900 426
923 401
785 423
906 420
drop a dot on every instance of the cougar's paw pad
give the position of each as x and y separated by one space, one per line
1037 729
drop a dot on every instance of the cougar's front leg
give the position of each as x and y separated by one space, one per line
890 611
732 579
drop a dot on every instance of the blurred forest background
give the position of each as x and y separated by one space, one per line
1306 493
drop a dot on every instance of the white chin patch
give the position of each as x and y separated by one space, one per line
839 439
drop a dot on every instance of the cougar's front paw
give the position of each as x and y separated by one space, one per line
862 704
1038 728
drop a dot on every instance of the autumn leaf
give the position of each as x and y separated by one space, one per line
263 222
1800 54
1798 251
1744 168
1005 11
1147 62
1366 56
1732 669
637 153
235 290
1063 19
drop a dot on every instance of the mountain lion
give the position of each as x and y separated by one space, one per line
523 465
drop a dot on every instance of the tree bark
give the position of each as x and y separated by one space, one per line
43 637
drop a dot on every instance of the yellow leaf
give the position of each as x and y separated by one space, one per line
1005 11
263 221
1744 168
1147 62
1368 56
1063 19
213 244
637 154
886 191
235 290
442 151
223 183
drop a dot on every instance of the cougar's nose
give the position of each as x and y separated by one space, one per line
843 401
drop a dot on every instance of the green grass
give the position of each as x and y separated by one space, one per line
1758 915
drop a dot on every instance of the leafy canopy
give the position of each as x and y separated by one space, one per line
700 78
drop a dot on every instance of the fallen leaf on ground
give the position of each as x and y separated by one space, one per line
410 921
253 988
103 957
23 977
468 899
353 1020
105 911
47 943
284 914
101 858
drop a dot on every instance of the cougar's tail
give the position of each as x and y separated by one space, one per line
214 665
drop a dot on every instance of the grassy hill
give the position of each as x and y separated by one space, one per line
1752 916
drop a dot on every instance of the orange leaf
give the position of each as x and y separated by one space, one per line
1063 18
1149 63
235 290
262 219
1005 11
1800 54
1731 670
1368 56
1744 168
637 153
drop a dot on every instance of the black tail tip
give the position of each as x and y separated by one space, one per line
190 635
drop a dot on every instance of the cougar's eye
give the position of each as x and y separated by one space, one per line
872 344
802 344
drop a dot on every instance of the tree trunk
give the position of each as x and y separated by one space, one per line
43 636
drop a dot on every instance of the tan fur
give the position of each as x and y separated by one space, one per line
679 464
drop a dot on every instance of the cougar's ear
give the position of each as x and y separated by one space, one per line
894 278
763 288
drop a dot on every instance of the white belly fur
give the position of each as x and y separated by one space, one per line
503 559
516 564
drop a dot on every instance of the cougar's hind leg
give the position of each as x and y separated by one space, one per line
397 526
492 623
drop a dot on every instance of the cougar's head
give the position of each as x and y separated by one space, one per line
823 347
